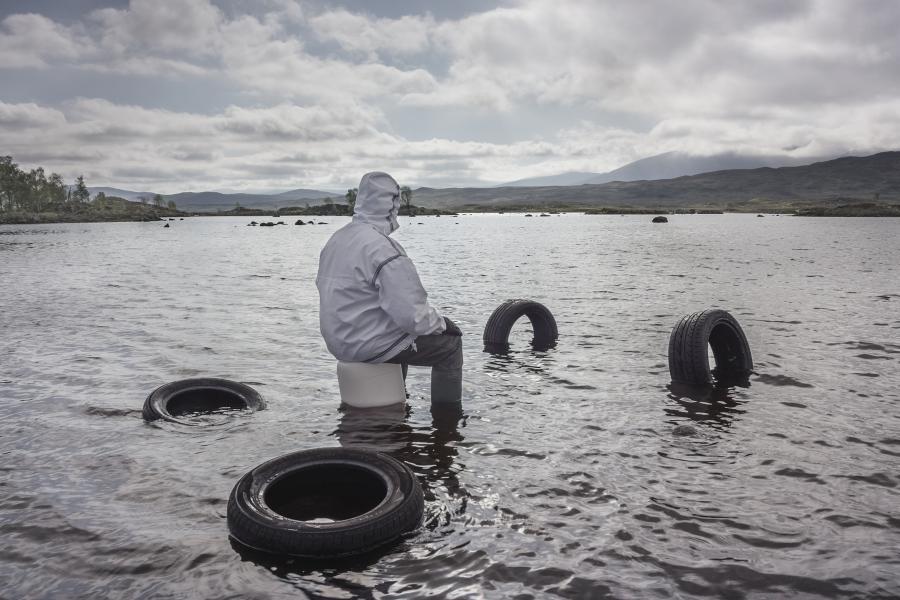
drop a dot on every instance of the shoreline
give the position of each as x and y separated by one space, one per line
856 210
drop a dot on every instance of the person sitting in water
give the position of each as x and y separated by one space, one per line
372 306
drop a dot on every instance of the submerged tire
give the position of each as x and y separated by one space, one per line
207 394
501 321
688 355
325 503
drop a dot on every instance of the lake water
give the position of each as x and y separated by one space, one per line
562 478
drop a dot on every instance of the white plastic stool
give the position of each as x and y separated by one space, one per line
365 385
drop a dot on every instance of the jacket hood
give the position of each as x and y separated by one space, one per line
378 202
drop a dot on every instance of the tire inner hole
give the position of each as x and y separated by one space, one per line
204 400
724 351
326 493
522 333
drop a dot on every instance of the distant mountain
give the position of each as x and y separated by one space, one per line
665 166
302 193
570 178
127 194
213 201
824 182
274 192
678 164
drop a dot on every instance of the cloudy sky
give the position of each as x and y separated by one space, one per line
173 95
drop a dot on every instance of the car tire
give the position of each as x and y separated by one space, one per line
688 354
500 323
325 503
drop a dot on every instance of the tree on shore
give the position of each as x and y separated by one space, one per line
171 204
31 191
8 179
351 198
56 190
80 194
158 201
406 198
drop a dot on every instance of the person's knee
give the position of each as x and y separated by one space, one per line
454 360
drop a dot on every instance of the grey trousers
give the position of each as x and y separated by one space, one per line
443 353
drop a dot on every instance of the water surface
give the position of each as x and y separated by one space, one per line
567 475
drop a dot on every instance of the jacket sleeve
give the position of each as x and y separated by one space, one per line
402 297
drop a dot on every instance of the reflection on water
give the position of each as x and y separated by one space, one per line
535 362
577 471
382 428
707 405
429 451
502 349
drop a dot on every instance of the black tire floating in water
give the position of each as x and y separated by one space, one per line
191 396
501 321
325 503
688 356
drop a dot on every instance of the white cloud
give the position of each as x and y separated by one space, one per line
30 40
280 146
17 117
311 88
300 124
171 26
372 36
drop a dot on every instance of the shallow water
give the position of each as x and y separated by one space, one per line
567 475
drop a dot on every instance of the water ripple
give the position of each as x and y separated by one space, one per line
578 471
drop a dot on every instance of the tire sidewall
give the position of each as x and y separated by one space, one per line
247 504
689 346
500 324
156 404
719 317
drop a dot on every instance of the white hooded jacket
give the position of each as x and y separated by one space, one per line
372 304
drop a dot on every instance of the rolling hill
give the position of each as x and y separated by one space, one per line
215 201
126 194
823 182
665 166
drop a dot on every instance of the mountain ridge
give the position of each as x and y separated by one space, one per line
214 201
667 165
863 178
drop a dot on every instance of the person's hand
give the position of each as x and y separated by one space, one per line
450 328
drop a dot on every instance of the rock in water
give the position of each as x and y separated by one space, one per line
660 220
685 430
